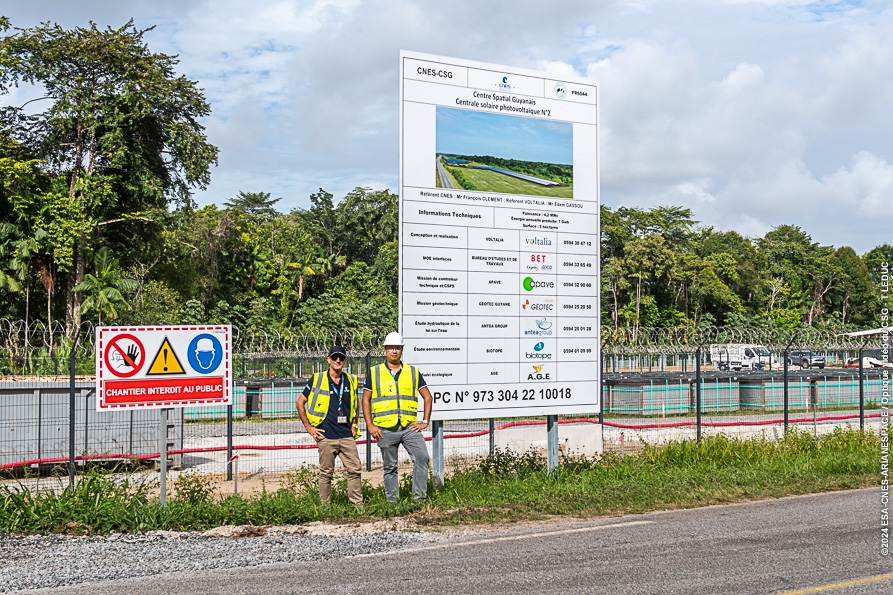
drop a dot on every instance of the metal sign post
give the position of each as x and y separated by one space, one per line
552 443
162 456
437 448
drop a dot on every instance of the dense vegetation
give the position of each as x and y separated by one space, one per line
547 171
97 220
504 486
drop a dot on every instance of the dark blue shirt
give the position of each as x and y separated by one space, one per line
330 424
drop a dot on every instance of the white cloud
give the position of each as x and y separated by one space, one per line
751 113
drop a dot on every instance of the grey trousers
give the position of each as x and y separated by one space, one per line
414 443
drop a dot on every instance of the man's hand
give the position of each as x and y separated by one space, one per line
418 426
316 433
375 432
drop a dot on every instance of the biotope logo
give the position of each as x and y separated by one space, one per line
538 373
530 284
535 241
560 90
538 352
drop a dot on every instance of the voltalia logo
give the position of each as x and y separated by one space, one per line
539 346
560 90
530 284
538 241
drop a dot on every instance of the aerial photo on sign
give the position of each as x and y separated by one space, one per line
503 153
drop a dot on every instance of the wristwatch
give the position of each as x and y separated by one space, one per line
424 421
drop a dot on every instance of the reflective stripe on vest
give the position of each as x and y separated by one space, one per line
394 402
317 406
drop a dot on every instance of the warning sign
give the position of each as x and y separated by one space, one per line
166 361
124 356
192 366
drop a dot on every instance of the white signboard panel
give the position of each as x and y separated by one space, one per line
163 366
499 237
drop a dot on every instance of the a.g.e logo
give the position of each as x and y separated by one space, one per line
560 90
537 374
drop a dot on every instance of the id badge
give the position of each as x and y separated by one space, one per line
342 419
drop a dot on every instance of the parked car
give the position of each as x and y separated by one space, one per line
806 359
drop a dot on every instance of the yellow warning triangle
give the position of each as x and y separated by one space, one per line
166 361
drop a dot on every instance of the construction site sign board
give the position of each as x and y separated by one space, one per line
163 366
499 237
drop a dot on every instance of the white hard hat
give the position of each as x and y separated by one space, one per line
393 339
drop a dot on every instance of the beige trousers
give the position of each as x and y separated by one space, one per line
346 450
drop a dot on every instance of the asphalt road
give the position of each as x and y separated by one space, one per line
827 543
444 178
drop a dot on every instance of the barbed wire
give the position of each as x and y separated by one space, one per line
18 339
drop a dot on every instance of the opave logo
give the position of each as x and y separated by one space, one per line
530 284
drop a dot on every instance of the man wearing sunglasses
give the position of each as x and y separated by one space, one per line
390 408
328 408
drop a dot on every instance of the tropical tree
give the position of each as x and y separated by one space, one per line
103 289
119 127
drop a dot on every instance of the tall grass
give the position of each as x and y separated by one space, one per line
505 486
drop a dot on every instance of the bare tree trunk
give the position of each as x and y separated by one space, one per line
73 307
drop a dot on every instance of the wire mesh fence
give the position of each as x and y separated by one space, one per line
648 395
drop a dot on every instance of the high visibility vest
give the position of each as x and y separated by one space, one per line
394 402
318 402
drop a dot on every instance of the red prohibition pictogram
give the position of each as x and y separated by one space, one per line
124 355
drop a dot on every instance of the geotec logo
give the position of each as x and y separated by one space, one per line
530 284
536 307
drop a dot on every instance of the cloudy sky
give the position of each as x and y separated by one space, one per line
751 113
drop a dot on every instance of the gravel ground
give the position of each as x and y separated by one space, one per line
47 561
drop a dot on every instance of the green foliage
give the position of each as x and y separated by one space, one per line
459 175
192 312
547 171
505 486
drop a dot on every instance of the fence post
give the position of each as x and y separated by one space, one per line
437 448
229 437
492 436
368 432
71 417
552 443
698 391
862 389
785 390
162 456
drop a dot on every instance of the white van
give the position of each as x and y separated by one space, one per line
741 356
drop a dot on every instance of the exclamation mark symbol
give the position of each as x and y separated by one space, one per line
165 359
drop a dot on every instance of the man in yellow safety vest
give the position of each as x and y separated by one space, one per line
390 408
328 408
